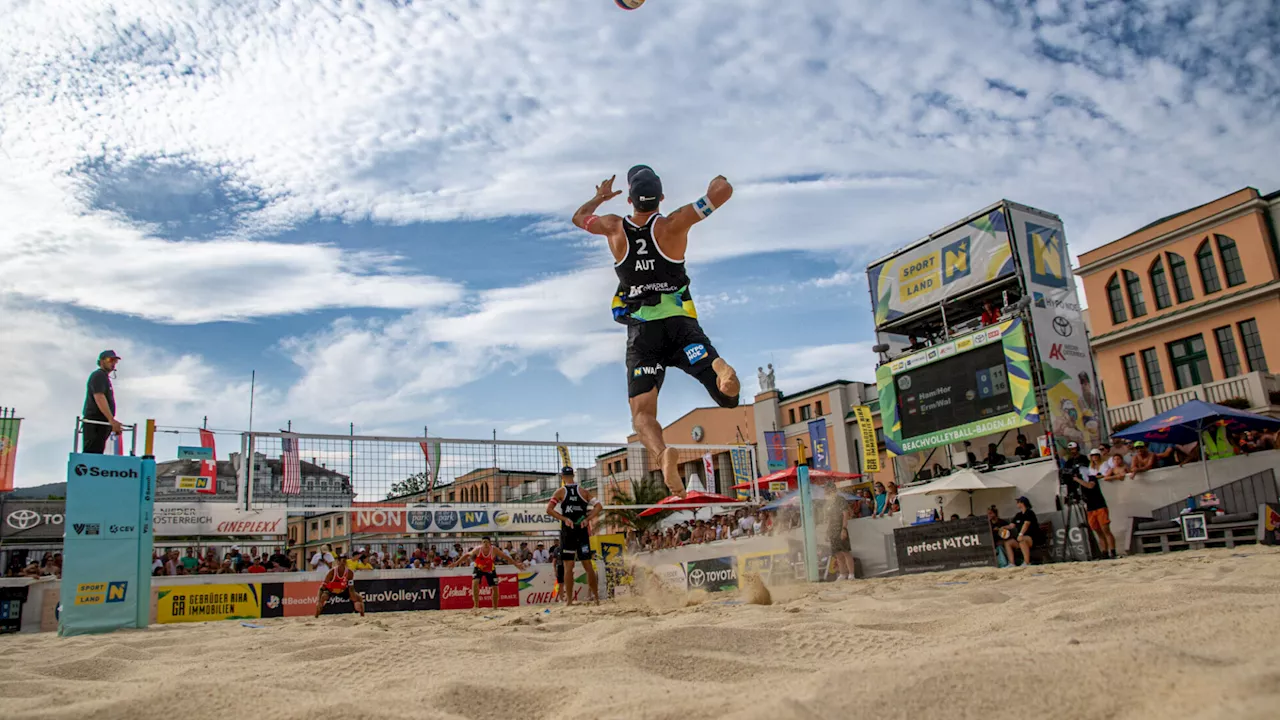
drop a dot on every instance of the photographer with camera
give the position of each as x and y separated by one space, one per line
1089 478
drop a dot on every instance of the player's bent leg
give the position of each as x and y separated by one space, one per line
711 378
321 598
644 418
727 379
357 600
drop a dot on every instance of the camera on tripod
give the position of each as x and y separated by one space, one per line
1066 479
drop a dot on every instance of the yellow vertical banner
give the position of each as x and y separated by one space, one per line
611 550
564 456
867 428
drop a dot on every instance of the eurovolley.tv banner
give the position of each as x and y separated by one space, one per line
962 259
1070 384
975 385
106 571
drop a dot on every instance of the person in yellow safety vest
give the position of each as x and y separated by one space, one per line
1218 447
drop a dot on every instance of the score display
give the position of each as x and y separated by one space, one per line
969 387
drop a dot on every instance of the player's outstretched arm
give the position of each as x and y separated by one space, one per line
586 218
686 216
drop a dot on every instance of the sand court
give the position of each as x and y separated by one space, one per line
1195 634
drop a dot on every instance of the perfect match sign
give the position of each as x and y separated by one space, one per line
106 571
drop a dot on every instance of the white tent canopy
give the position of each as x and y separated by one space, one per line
963 481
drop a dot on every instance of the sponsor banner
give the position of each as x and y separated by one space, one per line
611 550
945 545
216 519
477 518
821 459
186 452
954 262
108 524
32 520
981 390
379 520
671 576
298 599
740 459
772 567
715 575
198 603
537 585
775 443
867 430
198 483
1070 382
455 592
9 427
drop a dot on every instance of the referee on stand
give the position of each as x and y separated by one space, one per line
100 405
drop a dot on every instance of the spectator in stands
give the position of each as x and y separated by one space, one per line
891 499
540 554
1113 467
880 500
322 560
990 315
1090 481
1023 533
1025 450
1143 459
257 567
359 560
994 459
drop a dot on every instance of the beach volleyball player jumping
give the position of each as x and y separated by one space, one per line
654 302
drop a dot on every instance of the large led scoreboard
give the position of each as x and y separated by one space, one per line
977 384
968 387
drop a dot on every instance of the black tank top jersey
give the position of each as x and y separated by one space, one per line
573 506
651 286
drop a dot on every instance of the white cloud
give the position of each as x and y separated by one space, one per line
805 367
844 126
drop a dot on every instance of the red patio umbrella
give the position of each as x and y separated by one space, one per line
691 501
788 475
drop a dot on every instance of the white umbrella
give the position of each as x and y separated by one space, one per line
963 481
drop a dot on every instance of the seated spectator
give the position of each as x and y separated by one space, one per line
1113 467
1022 533
257 567
994 459
990 315
1025 450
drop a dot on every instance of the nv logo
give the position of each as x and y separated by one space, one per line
955 261
1048 255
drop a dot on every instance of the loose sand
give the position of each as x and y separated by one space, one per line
1191 635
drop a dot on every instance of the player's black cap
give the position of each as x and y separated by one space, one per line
566 470
644 187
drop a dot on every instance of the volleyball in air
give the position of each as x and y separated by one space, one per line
629 4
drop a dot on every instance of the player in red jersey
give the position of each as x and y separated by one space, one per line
339 582
484 567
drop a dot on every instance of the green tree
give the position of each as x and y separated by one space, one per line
408 486
647 491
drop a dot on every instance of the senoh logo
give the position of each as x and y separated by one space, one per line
92 471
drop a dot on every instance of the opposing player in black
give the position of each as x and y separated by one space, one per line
654 302
575 507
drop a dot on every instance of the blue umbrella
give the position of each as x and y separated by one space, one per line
1185 423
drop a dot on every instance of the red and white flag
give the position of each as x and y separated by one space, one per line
292 484
209 468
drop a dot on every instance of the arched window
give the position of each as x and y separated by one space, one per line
484 494
1208 268
1115 298
1133 284
1160 284
1230 260
1181 279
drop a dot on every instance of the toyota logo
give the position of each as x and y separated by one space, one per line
696 576
1062 326
23 519
81 469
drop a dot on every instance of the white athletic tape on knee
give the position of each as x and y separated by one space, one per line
703 206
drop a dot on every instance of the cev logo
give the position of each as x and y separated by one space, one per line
695 352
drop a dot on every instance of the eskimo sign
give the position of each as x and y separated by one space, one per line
379 520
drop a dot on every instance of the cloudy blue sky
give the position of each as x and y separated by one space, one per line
368 202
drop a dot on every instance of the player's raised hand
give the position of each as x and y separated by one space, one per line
605 191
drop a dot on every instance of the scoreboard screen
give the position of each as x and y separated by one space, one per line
968 387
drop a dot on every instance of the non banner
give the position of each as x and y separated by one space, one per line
775 442
198 603
821 459
945 545
967 388
1070 383
32 519
106 584
867 431
967 257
